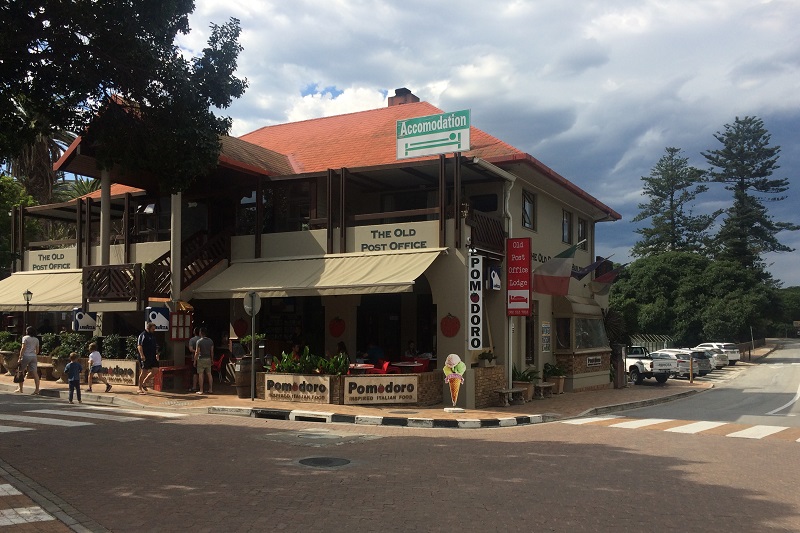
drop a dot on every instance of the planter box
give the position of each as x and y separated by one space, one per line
559 383
528 386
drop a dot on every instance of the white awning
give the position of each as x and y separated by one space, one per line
52 291
321 276
576 305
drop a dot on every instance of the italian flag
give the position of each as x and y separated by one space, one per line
553 277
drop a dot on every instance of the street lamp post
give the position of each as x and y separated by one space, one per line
27 295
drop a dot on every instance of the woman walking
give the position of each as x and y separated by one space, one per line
27 357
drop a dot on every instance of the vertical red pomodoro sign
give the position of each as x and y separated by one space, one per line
518 276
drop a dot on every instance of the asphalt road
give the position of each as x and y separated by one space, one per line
160 471
765 394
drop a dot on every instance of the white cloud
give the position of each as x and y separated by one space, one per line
596 90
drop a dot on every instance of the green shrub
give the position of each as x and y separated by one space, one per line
112 347
131 352
49 343
74 342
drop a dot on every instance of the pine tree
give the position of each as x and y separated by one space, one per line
671 187
745 164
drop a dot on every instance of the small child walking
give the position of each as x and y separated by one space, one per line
96 367
73 371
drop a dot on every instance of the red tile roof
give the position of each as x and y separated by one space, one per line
116 190
362 139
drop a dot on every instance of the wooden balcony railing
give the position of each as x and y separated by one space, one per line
113 283
487 232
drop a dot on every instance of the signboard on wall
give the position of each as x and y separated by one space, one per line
83 320
380 389
475 303
298 388
396 237
158 316
547 339
518 276
50 260
433 134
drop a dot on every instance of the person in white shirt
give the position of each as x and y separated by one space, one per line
96 367
27 357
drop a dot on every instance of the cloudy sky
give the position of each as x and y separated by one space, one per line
594 89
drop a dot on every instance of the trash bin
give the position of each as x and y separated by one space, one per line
242 371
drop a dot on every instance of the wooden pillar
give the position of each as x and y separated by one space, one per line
88 231
21 238
12 261
79 243
457 200
126 230
105 217
343 210
442 201
259 217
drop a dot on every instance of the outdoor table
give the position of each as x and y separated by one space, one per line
360 368
407 365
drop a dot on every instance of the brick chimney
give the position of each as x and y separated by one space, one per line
402 96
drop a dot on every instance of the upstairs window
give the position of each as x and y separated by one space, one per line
583 233
529 210
566 226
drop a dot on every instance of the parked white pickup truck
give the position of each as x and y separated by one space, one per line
641 364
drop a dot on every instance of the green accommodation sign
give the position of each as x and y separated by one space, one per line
433 135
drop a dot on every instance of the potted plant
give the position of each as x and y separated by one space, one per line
10 351
525 379
486 358
554 373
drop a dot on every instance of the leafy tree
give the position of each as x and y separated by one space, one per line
671 186
745 164
80 186
32 164
111 71
692 298
11 194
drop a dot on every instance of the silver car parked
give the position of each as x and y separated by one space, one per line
700 363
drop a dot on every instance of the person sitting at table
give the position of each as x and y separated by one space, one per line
374 352
412 350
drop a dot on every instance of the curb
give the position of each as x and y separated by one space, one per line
299 415
594 411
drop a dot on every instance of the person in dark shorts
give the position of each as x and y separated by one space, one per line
148 355
96 367
203 356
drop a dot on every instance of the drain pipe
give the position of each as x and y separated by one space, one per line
507 186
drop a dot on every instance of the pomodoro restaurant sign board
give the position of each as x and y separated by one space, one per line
433 134
364 390
518 276
298 388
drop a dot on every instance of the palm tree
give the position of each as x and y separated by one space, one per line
33 165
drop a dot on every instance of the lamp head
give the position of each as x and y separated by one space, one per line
28 295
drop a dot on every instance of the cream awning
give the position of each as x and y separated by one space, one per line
321 276
576 305
52 291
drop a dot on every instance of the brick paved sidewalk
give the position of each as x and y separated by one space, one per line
559 406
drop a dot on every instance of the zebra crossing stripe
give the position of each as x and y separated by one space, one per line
11 429
589 420
23 515
644 422
44 421
133 411
7 489
79 414
757 432
696 427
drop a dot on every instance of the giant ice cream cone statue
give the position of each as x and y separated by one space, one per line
454 369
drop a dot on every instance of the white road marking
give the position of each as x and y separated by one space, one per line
43 421
757 432
589 420
789 403
133 411
23 515
644 422
696 427
8 490
11 429
81 414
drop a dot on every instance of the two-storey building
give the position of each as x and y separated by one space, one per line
342 241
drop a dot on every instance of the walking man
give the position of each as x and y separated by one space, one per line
203 356
148 355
